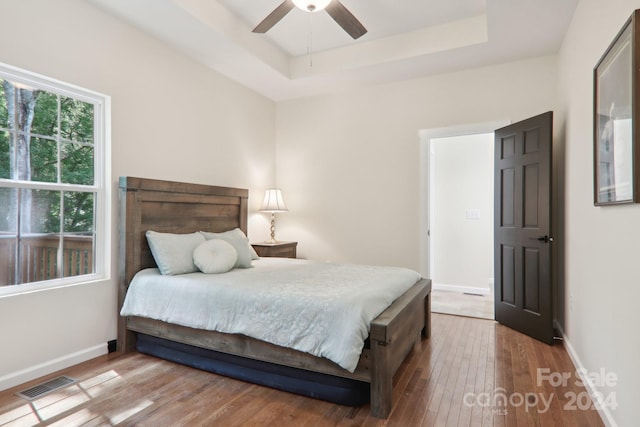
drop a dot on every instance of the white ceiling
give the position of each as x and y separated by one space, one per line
405 39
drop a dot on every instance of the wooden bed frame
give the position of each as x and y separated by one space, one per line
175 207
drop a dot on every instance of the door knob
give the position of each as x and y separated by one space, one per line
545 239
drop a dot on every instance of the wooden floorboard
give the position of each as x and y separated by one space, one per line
471 372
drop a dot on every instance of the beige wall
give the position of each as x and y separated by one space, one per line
172 119
349 164
600 245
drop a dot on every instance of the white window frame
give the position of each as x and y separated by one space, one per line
102 170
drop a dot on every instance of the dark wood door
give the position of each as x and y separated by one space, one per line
522 227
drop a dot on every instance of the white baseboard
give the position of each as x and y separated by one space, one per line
16 378
605 413
462 289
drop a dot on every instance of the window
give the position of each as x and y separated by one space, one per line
53 175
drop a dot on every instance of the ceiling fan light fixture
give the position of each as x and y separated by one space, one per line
311 5
337 11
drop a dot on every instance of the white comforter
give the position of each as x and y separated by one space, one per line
319 308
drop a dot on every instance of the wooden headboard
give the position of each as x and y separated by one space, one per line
169 207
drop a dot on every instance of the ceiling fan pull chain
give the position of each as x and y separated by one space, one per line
310 41
310 50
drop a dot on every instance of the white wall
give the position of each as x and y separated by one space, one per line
462 182
600 247
348 163
172 119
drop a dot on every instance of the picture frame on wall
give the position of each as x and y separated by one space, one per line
615 119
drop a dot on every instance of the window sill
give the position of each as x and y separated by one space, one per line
14 290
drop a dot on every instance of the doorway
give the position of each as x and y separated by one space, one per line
457 216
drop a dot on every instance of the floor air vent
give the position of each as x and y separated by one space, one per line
45 388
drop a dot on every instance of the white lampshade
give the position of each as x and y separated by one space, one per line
311 5
273 201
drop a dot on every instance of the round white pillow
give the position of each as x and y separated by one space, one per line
215 256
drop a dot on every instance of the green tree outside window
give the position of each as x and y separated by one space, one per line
45 138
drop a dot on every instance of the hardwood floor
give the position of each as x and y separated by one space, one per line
471 372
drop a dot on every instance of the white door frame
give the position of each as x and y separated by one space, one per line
425 136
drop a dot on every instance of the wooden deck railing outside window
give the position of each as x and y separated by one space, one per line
39 258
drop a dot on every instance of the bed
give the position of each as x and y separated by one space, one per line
174 207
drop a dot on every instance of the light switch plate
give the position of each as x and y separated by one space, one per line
473 214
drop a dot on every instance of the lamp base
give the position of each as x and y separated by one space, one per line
273 240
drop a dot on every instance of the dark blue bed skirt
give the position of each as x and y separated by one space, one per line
338 390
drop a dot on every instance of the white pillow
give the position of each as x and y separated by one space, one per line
239 241
215 256
174 252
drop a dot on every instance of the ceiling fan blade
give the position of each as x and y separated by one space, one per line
274 17
345 19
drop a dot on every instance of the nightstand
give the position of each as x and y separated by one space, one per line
280 249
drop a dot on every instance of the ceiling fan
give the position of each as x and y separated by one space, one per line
334 8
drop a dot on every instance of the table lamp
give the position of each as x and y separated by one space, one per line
273 203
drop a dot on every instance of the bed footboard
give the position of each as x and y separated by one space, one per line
393 334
